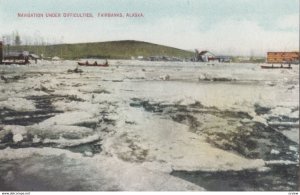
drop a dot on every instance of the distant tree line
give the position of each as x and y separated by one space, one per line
34 43
15 39
12 39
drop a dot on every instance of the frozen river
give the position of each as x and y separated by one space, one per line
149 126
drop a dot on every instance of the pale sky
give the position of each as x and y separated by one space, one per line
234 27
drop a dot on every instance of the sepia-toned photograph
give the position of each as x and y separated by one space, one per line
149 95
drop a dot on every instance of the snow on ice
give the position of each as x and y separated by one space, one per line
131 125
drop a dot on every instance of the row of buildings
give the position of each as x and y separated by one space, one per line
272 58
16 57
23 57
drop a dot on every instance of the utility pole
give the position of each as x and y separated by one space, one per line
8 49
1 52
61 46
3 49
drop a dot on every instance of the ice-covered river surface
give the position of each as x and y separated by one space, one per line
148 126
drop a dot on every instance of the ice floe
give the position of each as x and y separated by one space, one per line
187 117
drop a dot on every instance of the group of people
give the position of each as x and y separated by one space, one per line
95 63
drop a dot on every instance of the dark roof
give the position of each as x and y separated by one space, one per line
16 54
205 52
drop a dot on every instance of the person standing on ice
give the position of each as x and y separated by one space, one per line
26 60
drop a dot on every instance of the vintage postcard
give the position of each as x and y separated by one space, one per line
140 95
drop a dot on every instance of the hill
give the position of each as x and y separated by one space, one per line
111 50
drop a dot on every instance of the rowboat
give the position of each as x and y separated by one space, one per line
275 67
18 63
92 64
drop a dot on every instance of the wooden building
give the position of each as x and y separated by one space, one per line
283 57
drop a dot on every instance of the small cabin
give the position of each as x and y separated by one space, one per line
205 56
